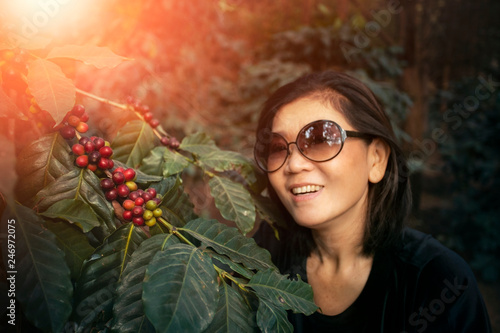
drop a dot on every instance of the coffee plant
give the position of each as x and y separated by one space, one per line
106 238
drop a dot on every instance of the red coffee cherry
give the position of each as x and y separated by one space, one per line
103 163
139 221
106 151
67 132
111 194
151 191
146 196
133 195
82 161
89 147
164 140
94 157
118 178
83 140
143 108
107 184
139 201
119 169
84 117
78 149
82 127
137 211
127 215
78 110
128 204
154 123
123 190
73 121
148 116
129 174
98 143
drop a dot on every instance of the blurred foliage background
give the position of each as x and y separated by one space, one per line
208 65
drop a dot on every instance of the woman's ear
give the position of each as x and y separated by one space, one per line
378 155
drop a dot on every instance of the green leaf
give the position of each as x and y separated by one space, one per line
133 142
199 144
233 314
163 161
234 202
100 57
167 184
268 210
245 272
83 185
43 284
173 163
180 290
228 241
95 289
221 160
128 310
272 318
74 211
290 295
176 207
52 90
152 164
40 163
74 243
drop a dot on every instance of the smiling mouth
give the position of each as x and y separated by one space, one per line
306 189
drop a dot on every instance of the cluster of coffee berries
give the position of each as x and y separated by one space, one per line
144 111
120 184
93 153
141 207
172 142
75 120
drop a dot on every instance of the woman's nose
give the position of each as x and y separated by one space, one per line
296 162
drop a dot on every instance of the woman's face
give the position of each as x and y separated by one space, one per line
339 187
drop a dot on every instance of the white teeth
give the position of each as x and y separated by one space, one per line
306 189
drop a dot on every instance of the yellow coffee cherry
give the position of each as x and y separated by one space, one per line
151 222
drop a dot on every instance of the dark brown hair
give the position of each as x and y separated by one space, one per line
389 201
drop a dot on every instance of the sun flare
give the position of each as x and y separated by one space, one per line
53 19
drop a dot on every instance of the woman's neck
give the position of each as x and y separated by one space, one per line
340 245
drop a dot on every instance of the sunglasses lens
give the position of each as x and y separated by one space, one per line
320 141
271 156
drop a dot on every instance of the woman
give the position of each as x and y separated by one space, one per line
336 171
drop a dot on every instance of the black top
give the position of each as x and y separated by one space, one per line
418 286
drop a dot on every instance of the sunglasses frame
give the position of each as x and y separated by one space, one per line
343 133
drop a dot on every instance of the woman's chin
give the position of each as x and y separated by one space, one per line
308 222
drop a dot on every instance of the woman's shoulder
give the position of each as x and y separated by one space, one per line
439 285
420 250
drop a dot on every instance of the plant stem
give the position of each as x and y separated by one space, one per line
102 100
173 230
223 274
117 105
209 174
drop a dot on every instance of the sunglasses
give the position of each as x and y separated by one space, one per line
319 141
